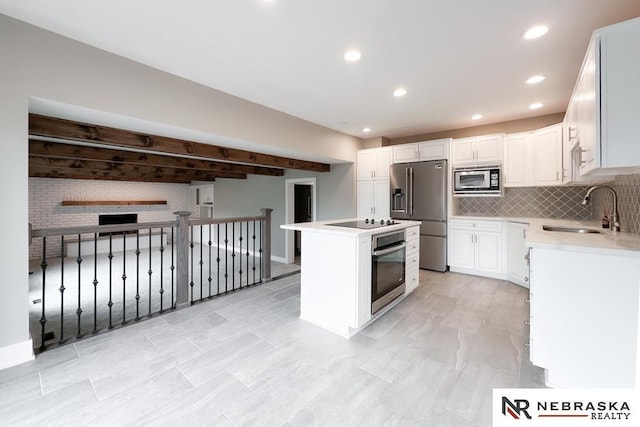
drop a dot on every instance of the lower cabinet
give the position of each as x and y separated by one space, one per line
584 317
517 253
412 237
475 247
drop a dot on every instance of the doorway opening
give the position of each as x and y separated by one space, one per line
300 203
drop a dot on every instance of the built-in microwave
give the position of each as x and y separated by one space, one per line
477 180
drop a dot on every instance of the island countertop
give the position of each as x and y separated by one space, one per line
325 227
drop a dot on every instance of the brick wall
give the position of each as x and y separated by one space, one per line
46 211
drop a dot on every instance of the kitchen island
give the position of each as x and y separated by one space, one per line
336 271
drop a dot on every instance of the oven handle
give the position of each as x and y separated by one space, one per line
389 250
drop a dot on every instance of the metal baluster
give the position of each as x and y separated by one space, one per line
62 289
201 262
247 245
43 266
79 310
218 258
191 284
260 251
226 257
161 291
110 303
233 256
137 273
209 243
124 280
95 283
254 252
240 258
150 271
173 267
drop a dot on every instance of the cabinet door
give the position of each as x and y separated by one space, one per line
588 88
405 153
382 162
517 250
489 148
461 248
463 150
365 164
547 155
433 150
365 196
488 253
381 199
517 160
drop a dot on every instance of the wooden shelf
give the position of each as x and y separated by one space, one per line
112 202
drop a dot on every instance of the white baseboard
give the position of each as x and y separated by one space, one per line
15 354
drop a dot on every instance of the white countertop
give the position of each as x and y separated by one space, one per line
623 243
324 227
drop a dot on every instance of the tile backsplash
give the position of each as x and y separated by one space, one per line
627 188
540 202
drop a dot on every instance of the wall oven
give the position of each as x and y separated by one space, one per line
478 180
387 269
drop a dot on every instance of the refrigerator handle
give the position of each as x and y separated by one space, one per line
410 191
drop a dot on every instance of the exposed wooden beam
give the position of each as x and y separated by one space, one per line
67 129
83 152
92 169
35 172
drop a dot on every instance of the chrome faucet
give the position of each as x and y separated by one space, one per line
615 219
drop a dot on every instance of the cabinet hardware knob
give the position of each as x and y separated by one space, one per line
526 345
526 279
526 256
526 323
527 300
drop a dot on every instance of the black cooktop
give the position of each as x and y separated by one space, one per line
365 223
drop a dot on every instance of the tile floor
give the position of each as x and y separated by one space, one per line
247 359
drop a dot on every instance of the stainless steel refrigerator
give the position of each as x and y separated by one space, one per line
419 193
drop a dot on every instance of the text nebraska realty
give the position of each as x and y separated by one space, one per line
595 410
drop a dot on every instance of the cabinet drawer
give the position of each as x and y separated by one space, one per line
412 233
481 225
412 271
413 246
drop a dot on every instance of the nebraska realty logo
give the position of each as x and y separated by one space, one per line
564 407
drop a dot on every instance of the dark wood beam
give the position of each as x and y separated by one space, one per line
35 172
67 129
93 169
82 152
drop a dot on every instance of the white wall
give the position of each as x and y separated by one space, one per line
37 63
335 192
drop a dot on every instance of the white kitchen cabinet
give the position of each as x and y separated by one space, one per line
518 167
547 156
373 163
584 316
405 153
475 247
421 151
604 110
481 149
517 253
533 158
412 238
373 199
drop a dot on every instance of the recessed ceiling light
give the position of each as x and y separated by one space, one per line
535 105
352 55
366 130
535 32
399 92
535 79
476 117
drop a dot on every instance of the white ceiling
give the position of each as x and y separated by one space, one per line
455 57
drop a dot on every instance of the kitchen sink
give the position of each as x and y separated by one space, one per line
569 229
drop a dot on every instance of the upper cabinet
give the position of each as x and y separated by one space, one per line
421 151
373 163
602 116
533 159
482 149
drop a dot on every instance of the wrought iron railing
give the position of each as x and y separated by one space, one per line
184 261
